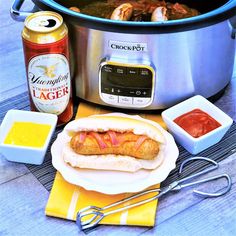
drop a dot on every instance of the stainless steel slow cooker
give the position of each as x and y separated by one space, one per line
148 65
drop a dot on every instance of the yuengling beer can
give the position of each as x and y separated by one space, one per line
45 43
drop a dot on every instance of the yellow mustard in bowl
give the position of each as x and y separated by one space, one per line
28 134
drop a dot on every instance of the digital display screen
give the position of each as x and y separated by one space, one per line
128 82
140 78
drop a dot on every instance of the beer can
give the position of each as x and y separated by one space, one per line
46 52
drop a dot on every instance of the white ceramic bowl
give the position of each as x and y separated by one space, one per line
191 144
25 154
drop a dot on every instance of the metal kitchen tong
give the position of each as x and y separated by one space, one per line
90 216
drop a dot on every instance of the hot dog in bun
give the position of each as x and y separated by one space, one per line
114 142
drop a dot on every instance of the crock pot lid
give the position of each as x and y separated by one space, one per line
230 5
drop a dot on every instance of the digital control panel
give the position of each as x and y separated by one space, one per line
126 85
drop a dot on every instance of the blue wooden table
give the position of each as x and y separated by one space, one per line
23 198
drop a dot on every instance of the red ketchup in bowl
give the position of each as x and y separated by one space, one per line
197 123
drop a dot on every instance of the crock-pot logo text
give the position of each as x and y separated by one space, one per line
127 46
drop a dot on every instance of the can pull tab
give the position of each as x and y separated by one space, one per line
50 23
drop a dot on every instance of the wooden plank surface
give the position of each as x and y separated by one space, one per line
23 198
22 203
12 68
10 170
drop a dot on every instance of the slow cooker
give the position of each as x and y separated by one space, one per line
148 65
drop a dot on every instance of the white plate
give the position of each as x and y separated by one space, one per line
114 182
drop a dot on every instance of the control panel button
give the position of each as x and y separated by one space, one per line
118 91
131 92
120 70
110 99
144 72
146 93
109 90
140 92
132 71
125 100
105 89
140 101
107 68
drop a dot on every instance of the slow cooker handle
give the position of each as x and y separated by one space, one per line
233 24
18 15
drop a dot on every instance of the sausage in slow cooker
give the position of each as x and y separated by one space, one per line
141 10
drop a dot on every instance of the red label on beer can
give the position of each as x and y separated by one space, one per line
46 57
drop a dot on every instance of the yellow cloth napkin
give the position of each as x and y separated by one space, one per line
66 199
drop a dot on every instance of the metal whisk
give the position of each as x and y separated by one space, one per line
95 214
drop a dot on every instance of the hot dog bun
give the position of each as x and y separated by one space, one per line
118 123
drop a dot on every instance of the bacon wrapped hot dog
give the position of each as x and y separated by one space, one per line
114 143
